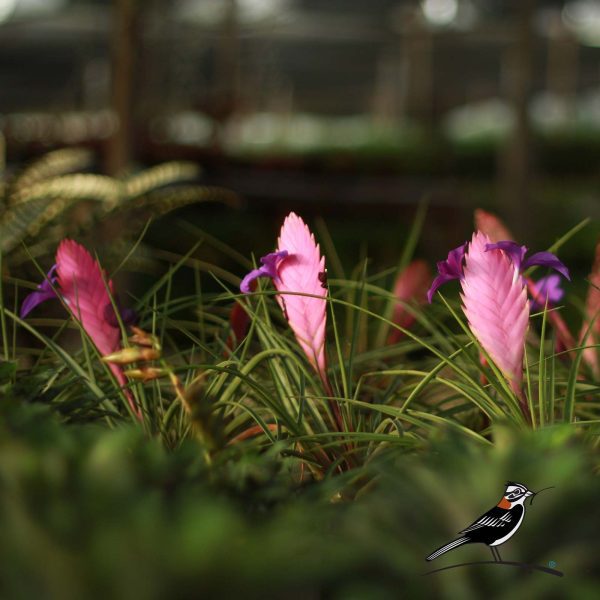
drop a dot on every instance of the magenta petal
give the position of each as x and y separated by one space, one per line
453 265
449 269
514 251
128 315
44 292
268 269
437 283
249 278
547 259
547 288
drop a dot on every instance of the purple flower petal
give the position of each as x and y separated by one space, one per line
547 288
453 265
449 269
268 269
437 282
43 292
128 315
515 252
547 259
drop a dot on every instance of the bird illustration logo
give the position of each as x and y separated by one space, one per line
497 525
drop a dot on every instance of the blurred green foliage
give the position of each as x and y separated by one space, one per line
93 507
90 513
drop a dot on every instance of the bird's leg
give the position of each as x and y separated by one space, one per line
493 553
498 553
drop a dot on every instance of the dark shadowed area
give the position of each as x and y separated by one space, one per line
207 453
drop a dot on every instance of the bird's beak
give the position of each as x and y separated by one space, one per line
536 493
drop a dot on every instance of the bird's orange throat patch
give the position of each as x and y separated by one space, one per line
504 503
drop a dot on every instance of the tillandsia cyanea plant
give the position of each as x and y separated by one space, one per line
84 287
590 329
298 272
495 302
410 287
547 289
544 291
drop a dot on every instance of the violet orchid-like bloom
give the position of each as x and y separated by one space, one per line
449 269
43 292
269 263
547 289
541 259
128 315
453 266
494 296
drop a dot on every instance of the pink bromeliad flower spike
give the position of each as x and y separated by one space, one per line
297 267
80 282
495 299
545 290
410 287
592 316
491 225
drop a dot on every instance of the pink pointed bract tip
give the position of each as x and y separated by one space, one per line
496 306
303 272
84 290
492 226
411 286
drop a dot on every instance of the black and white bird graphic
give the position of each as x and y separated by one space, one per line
497 525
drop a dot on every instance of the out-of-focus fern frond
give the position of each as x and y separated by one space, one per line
81 186
142 260
15 223
39 198
53 164
35 206
156 177
161 202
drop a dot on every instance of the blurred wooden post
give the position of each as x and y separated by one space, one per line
124 46
2 154
562 71
417 50
386 97
227 63
516 159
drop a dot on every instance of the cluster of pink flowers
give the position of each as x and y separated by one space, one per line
490 270
83 286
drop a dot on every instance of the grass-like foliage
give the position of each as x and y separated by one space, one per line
234 462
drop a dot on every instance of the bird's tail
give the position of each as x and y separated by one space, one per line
447 547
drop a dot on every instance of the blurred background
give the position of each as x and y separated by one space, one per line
354 110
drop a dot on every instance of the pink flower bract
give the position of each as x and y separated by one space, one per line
410 286
303 272
84 289
83 286
496 305
592 313
492 226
